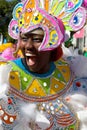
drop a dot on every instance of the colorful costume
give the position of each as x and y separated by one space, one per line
39 101
55 17
47 91
7 54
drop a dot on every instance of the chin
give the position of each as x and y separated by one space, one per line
33 69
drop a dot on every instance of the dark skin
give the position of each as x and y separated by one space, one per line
37 61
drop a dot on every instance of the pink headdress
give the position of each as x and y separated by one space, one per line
55 17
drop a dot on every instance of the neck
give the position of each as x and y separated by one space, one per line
44 69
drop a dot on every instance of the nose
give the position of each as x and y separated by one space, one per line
29 44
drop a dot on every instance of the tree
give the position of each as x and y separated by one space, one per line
6 8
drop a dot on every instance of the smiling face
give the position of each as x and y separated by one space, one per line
36 61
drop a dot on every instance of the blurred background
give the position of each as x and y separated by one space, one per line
6 7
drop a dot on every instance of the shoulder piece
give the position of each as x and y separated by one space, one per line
27 85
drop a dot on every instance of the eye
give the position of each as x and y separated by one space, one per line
38 40
24 39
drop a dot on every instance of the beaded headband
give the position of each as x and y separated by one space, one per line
55 17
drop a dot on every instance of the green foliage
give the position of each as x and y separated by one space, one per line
6 8
69 42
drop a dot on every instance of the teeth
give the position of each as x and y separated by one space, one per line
28 54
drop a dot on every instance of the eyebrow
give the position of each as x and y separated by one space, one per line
31 35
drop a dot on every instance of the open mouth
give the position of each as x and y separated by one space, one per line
31 59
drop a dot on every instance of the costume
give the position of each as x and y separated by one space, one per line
28 88
35 89
44 101
56 18
8 54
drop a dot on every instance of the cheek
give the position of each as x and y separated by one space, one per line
22 45
45 56
36 46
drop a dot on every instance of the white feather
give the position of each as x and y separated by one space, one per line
77 100
67 52
31 114
29 111
78 63
1 128
21 126
82 115
79 104
4 81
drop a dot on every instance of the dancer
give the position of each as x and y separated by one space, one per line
41 85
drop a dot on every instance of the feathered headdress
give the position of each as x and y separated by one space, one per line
55 17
